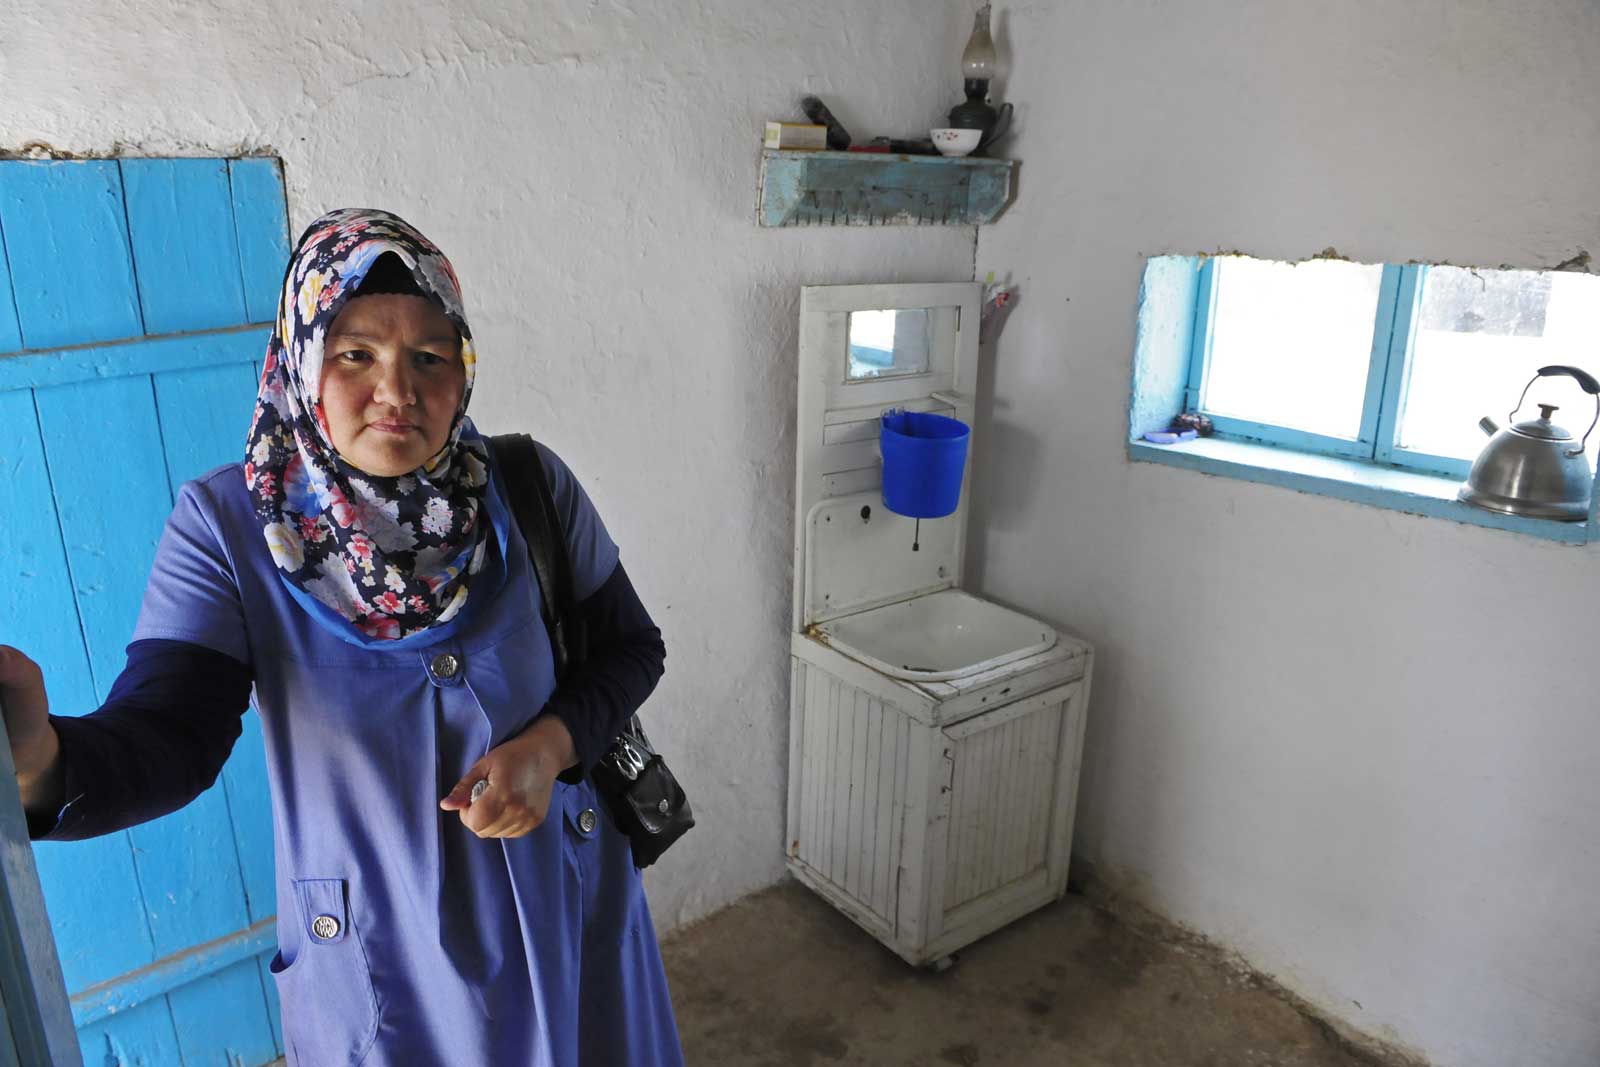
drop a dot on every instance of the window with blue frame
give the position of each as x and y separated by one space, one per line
1392 365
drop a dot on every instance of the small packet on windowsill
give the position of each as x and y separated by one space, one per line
1170 437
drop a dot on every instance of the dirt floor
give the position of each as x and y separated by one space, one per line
782 979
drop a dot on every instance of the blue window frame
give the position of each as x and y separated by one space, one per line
1387 380
1396 411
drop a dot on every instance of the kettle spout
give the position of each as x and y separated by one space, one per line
1488 426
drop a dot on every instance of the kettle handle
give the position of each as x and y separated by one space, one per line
1586 382
1584 378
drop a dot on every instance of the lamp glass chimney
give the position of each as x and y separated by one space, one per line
978 60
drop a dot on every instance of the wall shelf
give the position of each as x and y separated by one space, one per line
879 189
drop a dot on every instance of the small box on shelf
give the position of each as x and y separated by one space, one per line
797 136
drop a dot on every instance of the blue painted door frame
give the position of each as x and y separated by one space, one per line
133 301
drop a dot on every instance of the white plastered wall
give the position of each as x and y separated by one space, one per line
591 170
1358 746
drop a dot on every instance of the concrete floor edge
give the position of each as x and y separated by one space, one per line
1101 888
1104 891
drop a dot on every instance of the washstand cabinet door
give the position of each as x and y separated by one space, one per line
1009 798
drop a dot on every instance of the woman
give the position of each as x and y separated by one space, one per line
361 570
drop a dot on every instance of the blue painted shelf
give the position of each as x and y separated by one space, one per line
878 189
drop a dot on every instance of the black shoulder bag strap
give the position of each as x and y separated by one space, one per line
644 798
534 507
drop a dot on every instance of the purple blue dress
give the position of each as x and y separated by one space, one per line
404 939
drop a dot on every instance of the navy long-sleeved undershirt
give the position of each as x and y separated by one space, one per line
172 718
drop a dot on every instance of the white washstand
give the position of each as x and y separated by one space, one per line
934 737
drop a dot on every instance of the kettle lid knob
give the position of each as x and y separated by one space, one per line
1546 409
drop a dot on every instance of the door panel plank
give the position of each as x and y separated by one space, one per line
91 890
35 587
10 332
222 1021
110 479
185 253
259 216
90 887
193 891
142 1036
111 525
202 413
67 243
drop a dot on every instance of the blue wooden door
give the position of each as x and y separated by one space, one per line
133 301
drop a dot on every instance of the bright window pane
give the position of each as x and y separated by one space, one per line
884 344
1481 334
1291 343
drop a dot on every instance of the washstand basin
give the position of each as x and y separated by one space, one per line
936 637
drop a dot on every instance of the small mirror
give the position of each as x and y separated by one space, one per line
887 344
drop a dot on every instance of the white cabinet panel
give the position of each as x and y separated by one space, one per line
930 837
853 776
1000 802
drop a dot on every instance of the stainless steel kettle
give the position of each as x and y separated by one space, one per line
1532 468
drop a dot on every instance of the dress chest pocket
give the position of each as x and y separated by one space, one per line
330 1010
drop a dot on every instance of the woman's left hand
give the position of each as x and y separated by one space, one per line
521 773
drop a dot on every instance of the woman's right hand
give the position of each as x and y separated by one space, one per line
35 749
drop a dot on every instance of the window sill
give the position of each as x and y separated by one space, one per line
1347 479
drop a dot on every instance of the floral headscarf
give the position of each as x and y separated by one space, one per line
393 555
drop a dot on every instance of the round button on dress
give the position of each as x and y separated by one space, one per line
586 820
325 927
445 666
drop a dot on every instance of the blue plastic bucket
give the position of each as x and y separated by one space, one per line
923 457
